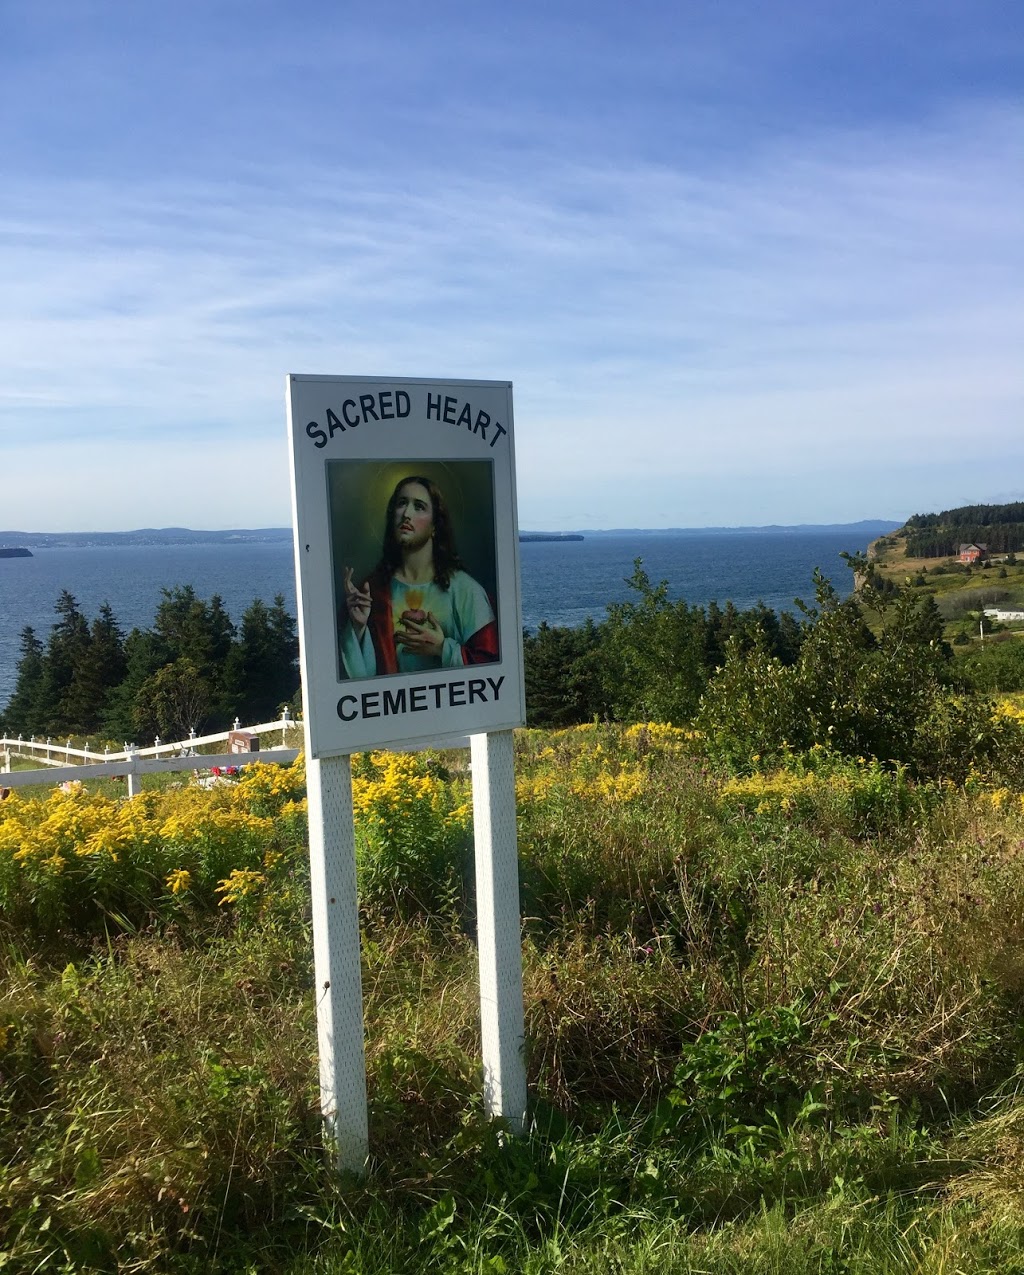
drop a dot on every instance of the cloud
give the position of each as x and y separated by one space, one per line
835 294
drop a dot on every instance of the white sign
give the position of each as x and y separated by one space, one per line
407 560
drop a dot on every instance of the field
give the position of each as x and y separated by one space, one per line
773 1023
960 591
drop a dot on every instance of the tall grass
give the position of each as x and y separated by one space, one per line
772 1024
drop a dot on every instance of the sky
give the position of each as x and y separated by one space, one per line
744 263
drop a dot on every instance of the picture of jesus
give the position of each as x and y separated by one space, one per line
419 608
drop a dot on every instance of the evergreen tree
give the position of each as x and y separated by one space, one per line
192 629
790 639
201 634
720 628
261 673
286 641
127 716
563 674
176 698
101 670
61 703
23 713
655 666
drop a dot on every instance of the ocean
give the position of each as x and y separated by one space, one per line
563 582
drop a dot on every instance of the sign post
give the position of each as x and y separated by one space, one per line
498 930
410 621
339 984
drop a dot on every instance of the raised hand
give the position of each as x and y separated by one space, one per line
357 602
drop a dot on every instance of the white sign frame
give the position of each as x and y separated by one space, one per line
399 426
443 425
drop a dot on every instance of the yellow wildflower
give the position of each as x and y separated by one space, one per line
179 880
239 884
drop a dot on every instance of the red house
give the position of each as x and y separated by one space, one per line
973 553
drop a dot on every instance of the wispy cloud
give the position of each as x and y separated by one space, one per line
709 337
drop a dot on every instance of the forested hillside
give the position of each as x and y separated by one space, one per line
1000 527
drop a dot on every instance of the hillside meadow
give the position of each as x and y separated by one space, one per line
773 1021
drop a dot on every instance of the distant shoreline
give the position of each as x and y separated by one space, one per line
866 529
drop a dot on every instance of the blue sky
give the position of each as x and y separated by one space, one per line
744 263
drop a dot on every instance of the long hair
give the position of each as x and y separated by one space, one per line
446 558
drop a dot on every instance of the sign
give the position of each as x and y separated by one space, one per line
407 560
407 574
243 741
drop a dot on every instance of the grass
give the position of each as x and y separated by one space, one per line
772 1027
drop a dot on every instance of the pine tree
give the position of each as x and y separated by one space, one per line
286 643
23 712
124 716
101 670
61 705
261 672
563 673
201 634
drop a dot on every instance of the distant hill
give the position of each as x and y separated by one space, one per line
866 530
146 536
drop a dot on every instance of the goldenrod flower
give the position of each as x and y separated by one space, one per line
179 880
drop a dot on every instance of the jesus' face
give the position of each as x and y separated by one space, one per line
413 517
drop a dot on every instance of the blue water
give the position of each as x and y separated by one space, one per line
566 582
563 582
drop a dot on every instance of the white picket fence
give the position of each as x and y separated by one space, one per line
58 766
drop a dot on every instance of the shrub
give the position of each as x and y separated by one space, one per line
75 864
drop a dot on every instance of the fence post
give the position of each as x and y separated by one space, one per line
134 778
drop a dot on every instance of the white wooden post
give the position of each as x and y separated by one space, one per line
339 985
498 927
134 778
